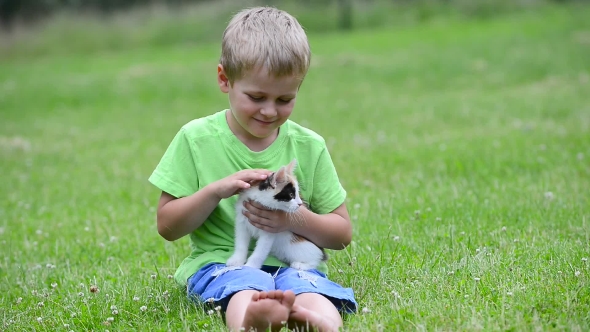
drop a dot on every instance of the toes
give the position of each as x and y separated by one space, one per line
288 298
275 295
257 296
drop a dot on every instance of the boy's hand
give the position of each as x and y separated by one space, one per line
272 221
232 184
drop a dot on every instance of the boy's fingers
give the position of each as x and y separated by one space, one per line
255 175
263 171
242 184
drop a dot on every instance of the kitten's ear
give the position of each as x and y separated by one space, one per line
280 175
291 166
272 180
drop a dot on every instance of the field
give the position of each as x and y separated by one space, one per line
464 146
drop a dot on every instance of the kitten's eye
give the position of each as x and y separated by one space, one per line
292 195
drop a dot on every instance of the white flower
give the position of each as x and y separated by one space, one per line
366 310
53 285
66 326
210 312
509 293
143 308
40 304
577 273
549 195
584 259
81 294
39 319
135 298
503 228
113 307
396 238
19 300
110 319
153 276
170 276
476 279
115 312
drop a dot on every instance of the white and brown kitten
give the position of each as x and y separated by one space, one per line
279 191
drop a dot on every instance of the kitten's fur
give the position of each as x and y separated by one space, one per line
279 191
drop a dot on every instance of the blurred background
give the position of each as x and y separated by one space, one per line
56 26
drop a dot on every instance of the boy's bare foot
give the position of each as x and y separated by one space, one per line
307 320
268 309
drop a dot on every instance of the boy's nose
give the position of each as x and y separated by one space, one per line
268 111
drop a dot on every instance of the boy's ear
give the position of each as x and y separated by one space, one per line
222 79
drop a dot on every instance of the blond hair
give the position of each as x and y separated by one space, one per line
264 37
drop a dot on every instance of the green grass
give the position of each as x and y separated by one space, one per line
464 147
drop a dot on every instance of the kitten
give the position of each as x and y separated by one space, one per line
279 191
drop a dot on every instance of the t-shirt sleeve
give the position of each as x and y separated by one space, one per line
176 173
328 193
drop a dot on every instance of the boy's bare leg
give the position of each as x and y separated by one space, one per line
313 311
256 310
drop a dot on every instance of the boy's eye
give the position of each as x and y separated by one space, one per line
283 101
255 98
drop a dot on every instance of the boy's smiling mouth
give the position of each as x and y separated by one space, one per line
264 122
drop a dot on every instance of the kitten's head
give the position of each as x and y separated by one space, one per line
280 190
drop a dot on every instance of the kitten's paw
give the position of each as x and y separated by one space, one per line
255 265
302 266
236 260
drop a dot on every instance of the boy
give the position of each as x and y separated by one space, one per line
265 56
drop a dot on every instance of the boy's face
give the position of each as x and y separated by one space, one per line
260 103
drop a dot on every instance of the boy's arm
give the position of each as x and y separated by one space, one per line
331 231
178 217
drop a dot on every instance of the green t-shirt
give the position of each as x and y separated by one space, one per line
205 150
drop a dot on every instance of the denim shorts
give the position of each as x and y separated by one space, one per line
216 283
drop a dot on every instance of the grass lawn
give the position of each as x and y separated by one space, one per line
464 147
